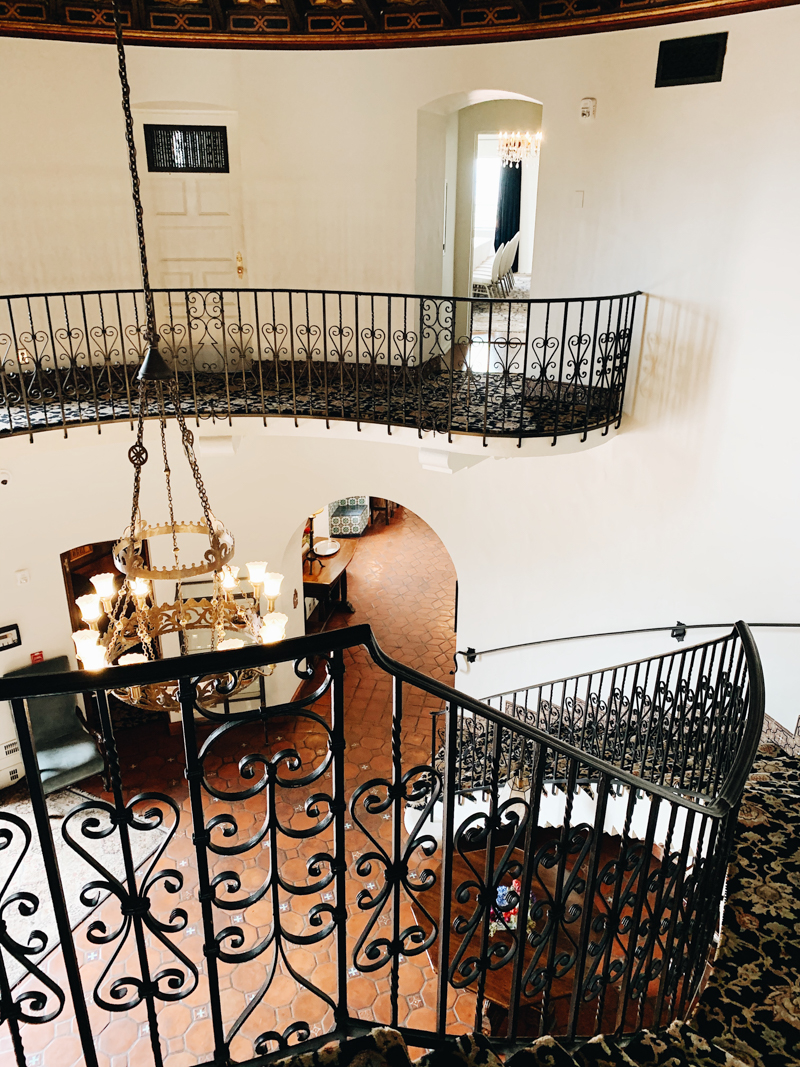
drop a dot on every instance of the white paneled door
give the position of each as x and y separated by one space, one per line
193 221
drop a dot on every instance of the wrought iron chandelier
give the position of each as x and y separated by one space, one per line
135 617
514 147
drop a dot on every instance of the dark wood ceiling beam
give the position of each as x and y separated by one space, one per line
297 24
449 11
217 16
371 12
139 19
528 10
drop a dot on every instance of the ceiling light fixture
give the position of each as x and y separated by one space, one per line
514 147
137 619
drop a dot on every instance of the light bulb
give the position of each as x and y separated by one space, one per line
85 639
256 571
90 608
131 658
94 657
91 654
272 585
231 642
104 585
140 588
229 580
273 628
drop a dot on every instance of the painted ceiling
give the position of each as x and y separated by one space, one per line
348 23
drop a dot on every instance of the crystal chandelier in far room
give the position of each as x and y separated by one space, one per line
514 147
137 620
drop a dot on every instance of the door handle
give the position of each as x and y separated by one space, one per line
239 264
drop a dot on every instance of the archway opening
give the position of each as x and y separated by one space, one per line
378 562
457 139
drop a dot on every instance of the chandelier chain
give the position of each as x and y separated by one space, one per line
162 419
150 312
187 440
136 616
138 457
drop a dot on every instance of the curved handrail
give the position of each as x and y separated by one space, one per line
733 786
341 292
296 649
729 791
657 896
678 630
508 369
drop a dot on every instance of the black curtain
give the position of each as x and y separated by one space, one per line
508 208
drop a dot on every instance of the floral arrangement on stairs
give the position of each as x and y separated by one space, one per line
503 917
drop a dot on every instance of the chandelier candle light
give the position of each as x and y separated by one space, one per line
514 147
136 620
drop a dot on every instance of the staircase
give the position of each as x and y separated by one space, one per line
748 1014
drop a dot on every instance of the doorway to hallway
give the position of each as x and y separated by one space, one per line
402 582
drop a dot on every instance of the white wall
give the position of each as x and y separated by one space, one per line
691 512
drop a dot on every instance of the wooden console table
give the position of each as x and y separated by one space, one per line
327 584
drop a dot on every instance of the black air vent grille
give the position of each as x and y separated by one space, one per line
691 60
200 149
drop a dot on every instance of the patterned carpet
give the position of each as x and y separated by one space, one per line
458 399
748 1015
677 1047
751 1005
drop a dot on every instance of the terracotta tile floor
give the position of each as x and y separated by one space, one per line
402 582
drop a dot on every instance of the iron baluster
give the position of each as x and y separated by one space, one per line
124 358
191 324
616 339
135 904
21 376
90 363
420 365
339 809
614 874
590 893
325 360
535 787
664 988
258 357
397 873
450 786
634 947
487 894
560 376
590 385
27 747
200 839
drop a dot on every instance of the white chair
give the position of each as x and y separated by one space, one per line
504 268
515 242
486 276
497 266
507 274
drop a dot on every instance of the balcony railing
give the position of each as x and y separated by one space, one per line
492 368
595 913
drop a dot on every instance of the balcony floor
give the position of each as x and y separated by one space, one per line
465 401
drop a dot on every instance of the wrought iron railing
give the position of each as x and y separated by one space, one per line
571 928
493 368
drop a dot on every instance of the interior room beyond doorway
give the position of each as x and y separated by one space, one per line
400 580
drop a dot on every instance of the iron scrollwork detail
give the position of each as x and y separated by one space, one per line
39 999
132 893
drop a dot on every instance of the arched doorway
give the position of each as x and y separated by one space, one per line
399 578
449 132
